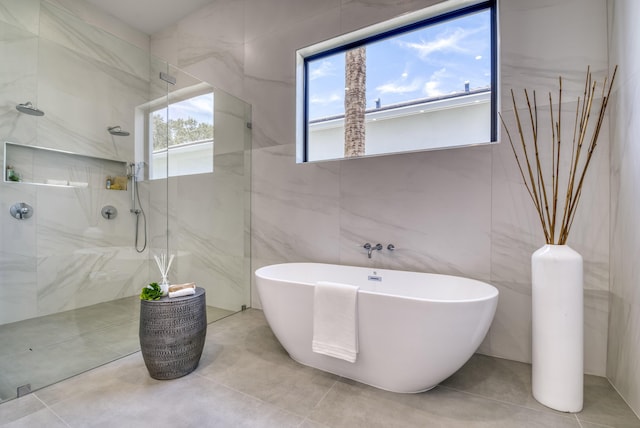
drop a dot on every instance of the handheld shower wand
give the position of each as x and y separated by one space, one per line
135 197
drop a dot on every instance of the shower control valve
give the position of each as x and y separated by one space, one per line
109 212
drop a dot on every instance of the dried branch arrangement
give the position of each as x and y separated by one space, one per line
543 183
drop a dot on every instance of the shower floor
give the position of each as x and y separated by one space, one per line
44 350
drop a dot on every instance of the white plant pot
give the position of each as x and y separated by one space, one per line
557 328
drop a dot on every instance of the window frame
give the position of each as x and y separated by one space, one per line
432 15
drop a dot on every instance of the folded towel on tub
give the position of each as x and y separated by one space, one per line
335 320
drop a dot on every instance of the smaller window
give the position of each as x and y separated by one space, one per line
181 137
418 82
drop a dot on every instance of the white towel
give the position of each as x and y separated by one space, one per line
179 290
182 292
335 320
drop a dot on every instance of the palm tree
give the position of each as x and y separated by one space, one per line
355 101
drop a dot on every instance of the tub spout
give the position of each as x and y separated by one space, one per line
370 248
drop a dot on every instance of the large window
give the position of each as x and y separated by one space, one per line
422 81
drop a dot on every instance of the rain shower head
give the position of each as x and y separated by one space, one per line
117 130
30 109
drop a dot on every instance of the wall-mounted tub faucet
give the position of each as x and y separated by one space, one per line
370 248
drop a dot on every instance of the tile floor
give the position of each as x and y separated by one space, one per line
245 379
44 350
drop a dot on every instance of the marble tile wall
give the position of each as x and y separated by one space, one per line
462 211
18 39
623 358
67 255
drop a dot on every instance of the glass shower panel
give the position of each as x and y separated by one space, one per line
155 143
207 205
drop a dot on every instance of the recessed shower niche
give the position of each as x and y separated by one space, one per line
49 167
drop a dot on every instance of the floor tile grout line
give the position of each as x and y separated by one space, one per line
51 410
253 397
306 418
551 412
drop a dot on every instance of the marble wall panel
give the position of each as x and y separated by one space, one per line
295 209
19 291
544 39
91 14
19 50
623 356
82 98
211 43
231 125
357 14
18 278
164 44
64 29
265 18
435 207
83 258
23 14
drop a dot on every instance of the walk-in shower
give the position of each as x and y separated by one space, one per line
70 278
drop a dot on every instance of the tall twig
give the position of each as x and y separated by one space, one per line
535 180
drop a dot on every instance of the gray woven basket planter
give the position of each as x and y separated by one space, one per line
172 334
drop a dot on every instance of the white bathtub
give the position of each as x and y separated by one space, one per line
414 329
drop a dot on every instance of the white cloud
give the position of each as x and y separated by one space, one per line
432 87
446 42
326 68
399 87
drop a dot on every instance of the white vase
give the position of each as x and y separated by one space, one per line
557 328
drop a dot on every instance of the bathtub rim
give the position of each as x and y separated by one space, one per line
493 292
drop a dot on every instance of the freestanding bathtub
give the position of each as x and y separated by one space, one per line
414 329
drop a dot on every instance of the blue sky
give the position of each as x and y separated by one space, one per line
428 62
199 107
